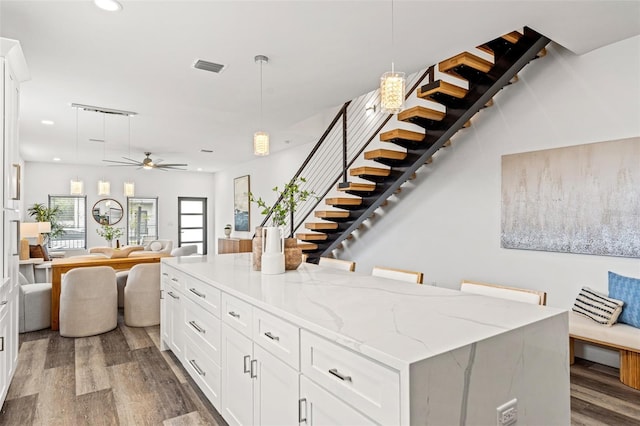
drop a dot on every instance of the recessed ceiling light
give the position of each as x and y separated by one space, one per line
108 5
56 158
48 122
199 169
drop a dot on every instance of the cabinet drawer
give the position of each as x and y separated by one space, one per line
204 371
204 295
203 329
355 379
277 336
174 277
237 314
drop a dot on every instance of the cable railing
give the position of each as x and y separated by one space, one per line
354 127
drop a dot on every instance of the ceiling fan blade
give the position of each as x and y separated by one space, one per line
171 165
123 165
122 162
131 159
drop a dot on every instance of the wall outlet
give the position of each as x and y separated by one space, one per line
508 413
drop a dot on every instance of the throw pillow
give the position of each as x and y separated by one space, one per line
38 250
155 246
597 307
626 289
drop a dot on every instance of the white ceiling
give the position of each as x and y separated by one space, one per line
322 53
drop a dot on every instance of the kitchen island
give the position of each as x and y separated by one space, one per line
323 346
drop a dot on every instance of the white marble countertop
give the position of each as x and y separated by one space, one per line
394 322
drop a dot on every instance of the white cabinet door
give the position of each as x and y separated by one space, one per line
176 317
237 384
275 390
165 316
319 408
5 340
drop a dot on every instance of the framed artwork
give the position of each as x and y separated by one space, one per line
578 199
241 203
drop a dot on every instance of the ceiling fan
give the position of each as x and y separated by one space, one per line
147 163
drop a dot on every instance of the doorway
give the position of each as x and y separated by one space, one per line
192 222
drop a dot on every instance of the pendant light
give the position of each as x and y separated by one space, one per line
261 139
76 186
392 84
104 186
129 186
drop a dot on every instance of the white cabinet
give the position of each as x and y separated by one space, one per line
257 387
172 311
5 340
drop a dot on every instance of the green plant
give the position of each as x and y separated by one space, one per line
291 196
109 232
40 213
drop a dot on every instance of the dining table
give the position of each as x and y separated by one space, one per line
61 266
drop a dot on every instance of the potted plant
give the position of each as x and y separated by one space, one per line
291 196
109 233
40 213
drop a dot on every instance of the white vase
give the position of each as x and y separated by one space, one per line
272 250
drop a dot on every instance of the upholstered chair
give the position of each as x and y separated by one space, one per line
121 282
88 302
345 265
398 274
142 296
187 250
34 305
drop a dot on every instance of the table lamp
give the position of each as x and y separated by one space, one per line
27 230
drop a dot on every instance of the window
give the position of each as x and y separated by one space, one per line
192 222
73 218
142 220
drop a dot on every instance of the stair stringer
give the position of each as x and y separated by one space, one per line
526 55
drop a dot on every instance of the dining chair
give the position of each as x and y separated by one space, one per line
535 297
398 274
344 265
142 296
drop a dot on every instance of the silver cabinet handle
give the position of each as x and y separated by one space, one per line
336 373
165 274
17 222
234 314
4 302
197 293
174 280
2 347
172 295
302 402
271 336
197 327
254 367
246 358
161 294
196 367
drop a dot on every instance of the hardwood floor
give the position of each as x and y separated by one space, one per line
116 378
122 378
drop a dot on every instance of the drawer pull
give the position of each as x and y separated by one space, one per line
246 358
165 274
254 366
197 327
234 314
2 346
161 294
271 336
174 280
336 373
196 367
4 302
172 295
197 293
302 402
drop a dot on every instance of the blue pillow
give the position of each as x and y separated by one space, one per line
626 289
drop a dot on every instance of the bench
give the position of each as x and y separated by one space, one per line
621 337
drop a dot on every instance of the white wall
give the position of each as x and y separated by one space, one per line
446 223
44 179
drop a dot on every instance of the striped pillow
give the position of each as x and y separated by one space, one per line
597 306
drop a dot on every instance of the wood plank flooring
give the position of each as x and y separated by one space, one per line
116 378
122 378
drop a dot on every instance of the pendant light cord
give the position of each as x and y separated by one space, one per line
261 64
392 37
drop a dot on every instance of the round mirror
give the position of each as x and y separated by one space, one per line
107 211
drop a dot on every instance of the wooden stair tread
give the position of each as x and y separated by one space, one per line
312 237
314 226
444 88
356 186
335 214
402 134
467 59
421 112
512 37
307 246
368 170
385 153
343 201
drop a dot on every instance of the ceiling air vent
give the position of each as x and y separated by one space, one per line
209 66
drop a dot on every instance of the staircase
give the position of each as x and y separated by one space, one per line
409 150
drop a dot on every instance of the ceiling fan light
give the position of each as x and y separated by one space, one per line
129 189
104 187
76 187
261 143
147 166
108 5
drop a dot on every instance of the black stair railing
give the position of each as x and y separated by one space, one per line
354 127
